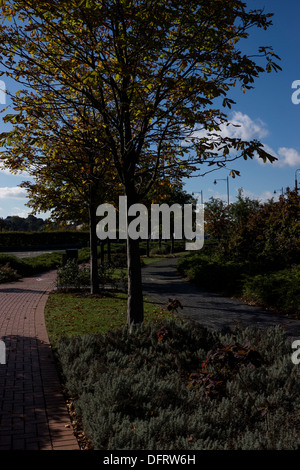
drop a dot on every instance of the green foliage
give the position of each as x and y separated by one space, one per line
35 264
250 281
132 391
217 219
30 266
138 80
270 235
257 255
20 224
259 233
279 289
72 276
76 276
212 272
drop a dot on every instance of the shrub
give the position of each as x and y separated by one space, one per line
76 276
270 235
133 391
73 276
13 262
33 265
7 274
278 289
164 249
213 273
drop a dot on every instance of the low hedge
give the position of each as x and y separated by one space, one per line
204 270
36 264
21 240
177 386
30 266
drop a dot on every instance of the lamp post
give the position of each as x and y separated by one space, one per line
296 182
224 179
281 189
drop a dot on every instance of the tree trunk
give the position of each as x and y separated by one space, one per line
135 307
102 253
94 278
108 251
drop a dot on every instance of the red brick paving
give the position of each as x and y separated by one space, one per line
33 413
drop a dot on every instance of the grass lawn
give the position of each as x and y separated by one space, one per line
79 313
72 314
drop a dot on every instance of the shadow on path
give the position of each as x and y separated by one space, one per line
32 411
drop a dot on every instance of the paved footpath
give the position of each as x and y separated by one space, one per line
33 413
161 282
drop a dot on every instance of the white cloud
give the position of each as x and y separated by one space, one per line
6 171
265 196
245 128
17 211
13 192
288 157
240 126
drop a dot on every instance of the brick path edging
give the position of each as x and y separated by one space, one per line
61 433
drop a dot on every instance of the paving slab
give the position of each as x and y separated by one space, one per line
33 413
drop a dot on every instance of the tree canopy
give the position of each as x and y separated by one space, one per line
153 71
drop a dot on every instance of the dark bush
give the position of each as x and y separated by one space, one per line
214 273
41 239
279 289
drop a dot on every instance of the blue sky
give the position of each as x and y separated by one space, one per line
266 113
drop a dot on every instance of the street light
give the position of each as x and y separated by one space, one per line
281 189
296 183
224 179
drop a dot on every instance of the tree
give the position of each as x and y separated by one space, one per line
225 223
270 235
61 152
242 208
2 224
156 71
217 220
